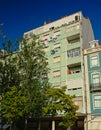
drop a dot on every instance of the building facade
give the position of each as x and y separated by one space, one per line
65 40
92 56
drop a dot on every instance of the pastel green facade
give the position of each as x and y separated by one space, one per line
64 40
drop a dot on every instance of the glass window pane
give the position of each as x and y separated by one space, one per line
73 53
96 79
94 60
97 101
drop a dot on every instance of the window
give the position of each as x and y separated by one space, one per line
46 37
46 49
96 79
74 39
57 33
56 59
57 46
51 28
78 101
73 53
94 60
97 101
73 70
56 73
77 18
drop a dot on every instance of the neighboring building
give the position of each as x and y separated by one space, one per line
65 40
92 56
2 52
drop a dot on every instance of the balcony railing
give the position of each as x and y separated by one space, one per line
95 87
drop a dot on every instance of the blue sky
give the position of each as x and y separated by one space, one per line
19 16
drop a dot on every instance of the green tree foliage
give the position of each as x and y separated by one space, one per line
9 84
23 72
9 75
32 65
12 104
60 103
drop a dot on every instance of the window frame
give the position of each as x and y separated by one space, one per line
46 49
78 100
97 60
56 59
57 33
56 75
74 53
97 101
92 78
57 45
73 39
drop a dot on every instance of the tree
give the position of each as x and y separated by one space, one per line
13 102
24 72
9 80
9 74
60 103
32 65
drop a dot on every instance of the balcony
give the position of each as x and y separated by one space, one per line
72 31
74 76
95 87
74 61
73 46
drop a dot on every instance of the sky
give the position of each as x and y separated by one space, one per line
19 16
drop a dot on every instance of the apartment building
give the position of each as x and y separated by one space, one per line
92 58
65 39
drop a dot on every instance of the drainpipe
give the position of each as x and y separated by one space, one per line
85 90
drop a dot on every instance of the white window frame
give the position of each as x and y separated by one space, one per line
97 101
94 60
73 53
95 80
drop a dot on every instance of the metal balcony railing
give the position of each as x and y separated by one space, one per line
94 87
